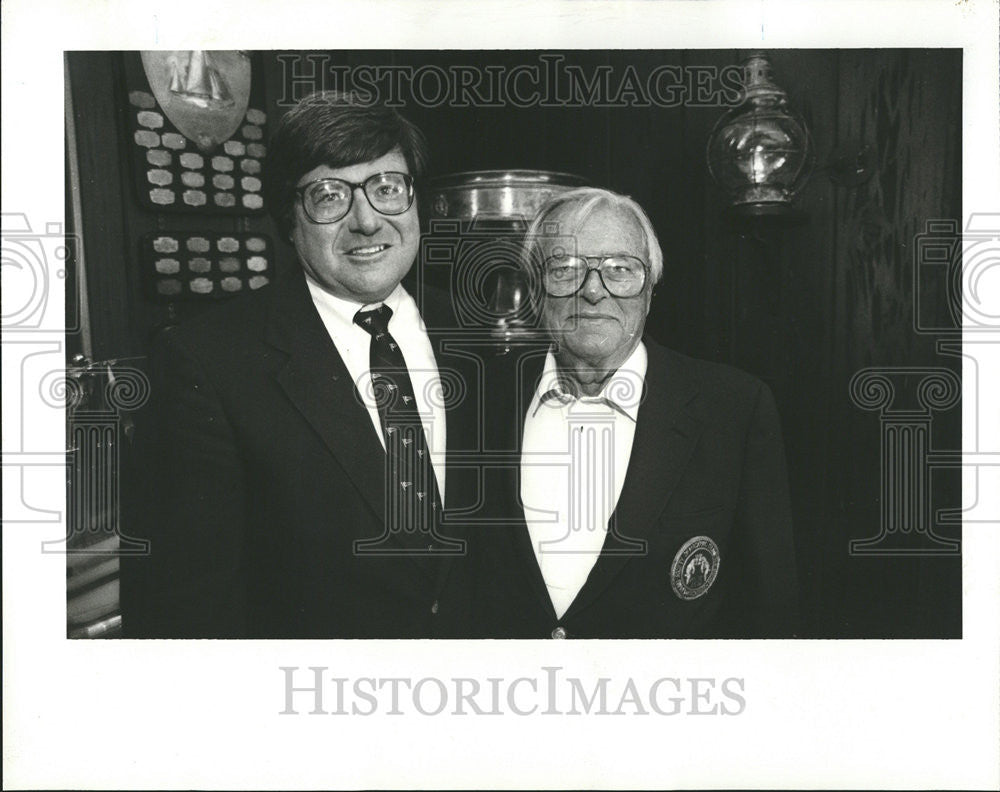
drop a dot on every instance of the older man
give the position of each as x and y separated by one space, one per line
296 451
652 498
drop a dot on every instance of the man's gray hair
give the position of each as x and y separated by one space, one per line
573 208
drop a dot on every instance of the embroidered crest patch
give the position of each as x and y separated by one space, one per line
694 568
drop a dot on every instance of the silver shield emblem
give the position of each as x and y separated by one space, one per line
204 93
694 568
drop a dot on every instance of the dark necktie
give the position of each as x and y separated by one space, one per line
412 503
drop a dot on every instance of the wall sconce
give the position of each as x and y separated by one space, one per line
760 153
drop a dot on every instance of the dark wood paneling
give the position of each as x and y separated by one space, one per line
906 105
799 328
104 184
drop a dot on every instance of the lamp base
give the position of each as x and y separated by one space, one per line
771 213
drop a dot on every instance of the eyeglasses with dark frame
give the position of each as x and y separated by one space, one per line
621 275
329 200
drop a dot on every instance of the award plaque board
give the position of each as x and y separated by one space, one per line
200 265
196 131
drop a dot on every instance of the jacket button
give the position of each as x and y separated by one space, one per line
559 632
434 607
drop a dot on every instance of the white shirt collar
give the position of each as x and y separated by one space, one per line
344 310
624 387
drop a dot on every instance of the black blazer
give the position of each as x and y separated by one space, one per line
707 460
264 470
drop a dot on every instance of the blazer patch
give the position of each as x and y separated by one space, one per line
694 568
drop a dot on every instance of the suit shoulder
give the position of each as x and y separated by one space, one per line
708 376
436 307
224 344
232 321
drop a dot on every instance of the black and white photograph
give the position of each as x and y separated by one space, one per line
684 443
405 394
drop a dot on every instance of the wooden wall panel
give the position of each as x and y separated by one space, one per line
104 183
709 246
906 105
799 328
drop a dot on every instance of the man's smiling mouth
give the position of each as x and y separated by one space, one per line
364 251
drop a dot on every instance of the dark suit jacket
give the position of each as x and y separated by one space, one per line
264 470
707 460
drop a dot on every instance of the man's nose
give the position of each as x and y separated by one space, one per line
593 290
362 218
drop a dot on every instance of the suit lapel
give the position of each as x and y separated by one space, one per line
317 382
666 433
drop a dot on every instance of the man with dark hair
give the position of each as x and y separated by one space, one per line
297 445
327 128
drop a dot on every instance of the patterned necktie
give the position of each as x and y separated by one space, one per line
412 505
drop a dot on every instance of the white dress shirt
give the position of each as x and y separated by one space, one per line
574 457
407 328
